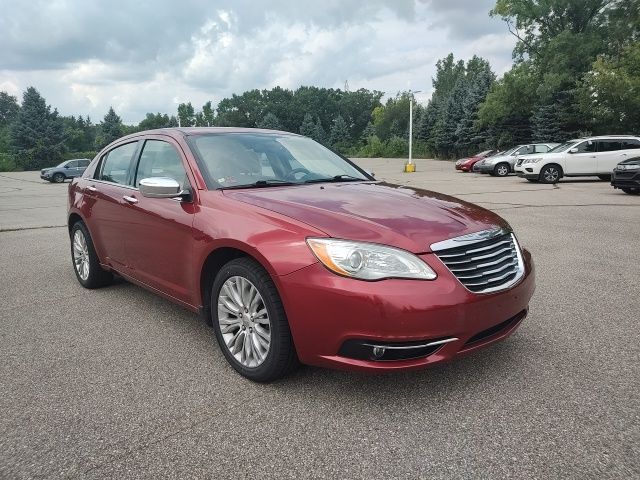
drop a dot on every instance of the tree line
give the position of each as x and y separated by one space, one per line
576 71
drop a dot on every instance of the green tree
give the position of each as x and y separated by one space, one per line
270 122
610 93
186 115
36 134
339 134
208 114
110 129
320 135
307 127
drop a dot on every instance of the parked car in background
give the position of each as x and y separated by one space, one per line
626 176
292 252
502 165
67 169
589 156
466 164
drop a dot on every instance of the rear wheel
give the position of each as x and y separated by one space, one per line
250 322
501 170
58 178
550 174
85 260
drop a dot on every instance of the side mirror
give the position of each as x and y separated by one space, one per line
67 166
573 150
160 187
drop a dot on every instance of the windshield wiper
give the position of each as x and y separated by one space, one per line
337 178
261 183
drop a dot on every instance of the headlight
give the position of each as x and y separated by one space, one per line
368 261
532 160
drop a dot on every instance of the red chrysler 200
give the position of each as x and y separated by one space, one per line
294 254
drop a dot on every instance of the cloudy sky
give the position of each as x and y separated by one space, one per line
149 56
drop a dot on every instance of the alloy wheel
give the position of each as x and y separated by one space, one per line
244 321
81 255
502 171
551 174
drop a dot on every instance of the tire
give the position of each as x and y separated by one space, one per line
267 353
501 170
631 191
605 178
58 178
89 273
550 174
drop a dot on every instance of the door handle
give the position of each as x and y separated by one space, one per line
91 188
129 199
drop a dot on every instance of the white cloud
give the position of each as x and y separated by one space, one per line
140 57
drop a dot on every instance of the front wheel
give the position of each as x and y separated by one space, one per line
550 174
58 178
85 260
250 323
501 170
631 191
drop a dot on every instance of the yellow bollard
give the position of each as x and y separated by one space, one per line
409 167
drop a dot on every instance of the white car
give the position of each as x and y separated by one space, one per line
504 163
590 156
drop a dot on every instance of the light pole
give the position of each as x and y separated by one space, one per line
410 167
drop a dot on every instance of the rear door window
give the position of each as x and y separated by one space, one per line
84 163
608 145
116 163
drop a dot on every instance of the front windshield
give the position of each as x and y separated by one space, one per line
509 152
62 164
563 146
231 160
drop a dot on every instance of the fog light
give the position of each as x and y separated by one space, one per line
378 352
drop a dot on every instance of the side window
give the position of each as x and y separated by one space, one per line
71 164
608 145
160 159
541 149
630 143
586 147
84 163
116 163
524 150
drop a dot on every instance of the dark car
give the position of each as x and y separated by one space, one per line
67 169
626 176
293 253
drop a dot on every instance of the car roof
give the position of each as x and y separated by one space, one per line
190 131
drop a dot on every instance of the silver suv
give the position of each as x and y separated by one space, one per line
502 164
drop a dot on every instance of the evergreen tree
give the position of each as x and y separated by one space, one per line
208 115
369 131
37 133
270 122
110 129
339 133
545 124
468 136
307 127
320 134
9 109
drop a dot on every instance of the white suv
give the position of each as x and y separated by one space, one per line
595 156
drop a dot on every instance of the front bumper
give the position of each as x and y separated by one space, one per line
327 312
45 176
625 179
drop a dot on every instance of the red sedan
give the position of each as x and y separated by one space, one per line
294 254
466 164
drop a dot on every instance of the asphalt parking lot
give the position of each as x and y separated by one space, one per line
120 383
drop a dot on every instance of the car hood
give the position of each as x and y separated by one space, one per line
404 217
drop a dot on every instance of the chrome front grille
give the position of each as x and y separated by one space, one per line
485 261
